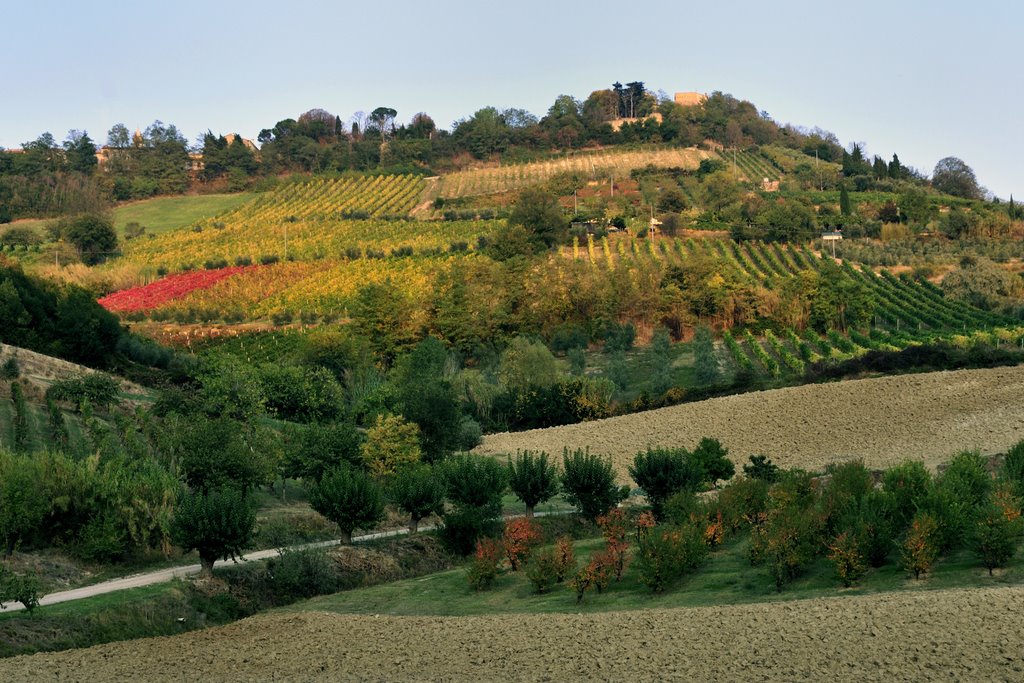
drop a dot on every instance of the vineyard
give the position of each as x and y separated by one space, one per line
752 166
589 164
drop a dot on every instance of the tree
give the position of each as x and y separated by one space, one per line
418 491
391 443
214 454
474 484
542 215
705 361
895 168
384 119
424 395
997 532
322 447
952 176
664 472
80 152
844 201
93 235
533 479
589 483
525 364
217 523
24 503
921 546
713 460
348 497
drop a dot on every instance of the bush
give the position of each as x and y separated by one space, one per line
542 571
761 467
666 554
464 527
742 501
349 498
589 483
533 479
23 588
663 472
1013 465
99 389
483 569
300 574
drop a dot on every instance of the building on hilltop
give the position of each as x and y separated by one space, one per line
690 99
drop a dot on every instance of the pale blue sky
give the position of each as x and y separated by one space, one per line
924 80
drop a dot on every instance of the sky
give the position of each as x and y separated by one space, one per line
924 80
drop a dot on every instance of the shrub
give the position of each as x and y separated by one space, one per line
99 389
663 472
589 483
300 574
1013 465
543 570
565 558
520 537
268 259
464 526
533 479
666 554
349 498
761 467
483 569
846 554
23 588
741 501
920 548
706 367
616 547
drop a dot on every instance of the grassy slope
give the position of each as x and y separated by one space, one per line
727 578
167 213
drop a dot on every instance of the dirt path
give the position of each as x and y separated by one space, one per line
927 417
969 635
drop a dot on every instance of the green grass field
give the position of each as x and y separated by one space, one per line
727 578
164 214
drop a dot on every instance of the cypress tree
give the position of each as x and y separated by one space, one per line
844 201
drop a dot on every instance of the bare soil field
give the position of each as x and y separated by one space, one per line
885 420
916 635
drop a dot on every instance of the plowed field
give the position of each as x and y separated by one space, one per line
884 420
967 635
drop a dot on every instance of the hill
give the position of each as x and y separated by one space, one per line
882 420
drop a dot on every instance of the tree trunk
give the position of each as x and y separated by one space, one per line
529 512
414 525
346 537
207 563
